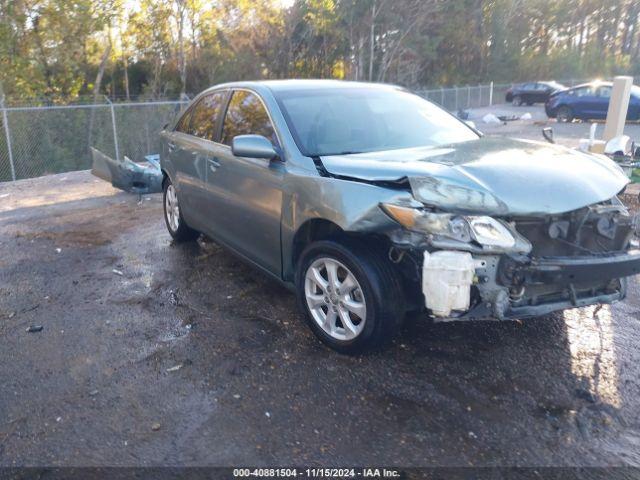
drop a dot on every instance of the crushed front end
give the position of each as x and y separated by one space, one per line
501 267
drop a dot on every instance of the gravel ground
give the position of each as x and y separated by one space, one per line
159 354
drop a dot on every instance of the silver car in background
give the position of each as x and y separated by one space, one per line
370 202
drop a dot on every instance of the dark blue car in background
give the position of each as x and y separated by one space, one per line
588 101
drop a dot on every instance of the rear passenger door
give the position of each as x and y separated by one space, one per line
246 193
528 92
542 92
192 147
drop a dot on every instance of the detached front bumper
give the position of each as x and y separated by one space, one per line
510 287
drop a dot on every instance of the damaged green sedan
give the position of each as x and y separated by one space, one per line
371 202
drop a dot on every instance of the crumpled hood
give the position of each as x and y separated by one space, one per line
523 177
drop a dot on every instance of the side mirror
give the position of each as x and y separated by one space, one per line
253 146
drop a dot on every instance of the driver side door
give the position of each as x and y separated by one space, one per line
246 193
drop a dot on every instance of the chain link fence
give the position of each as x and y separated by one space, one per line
470 96
41 139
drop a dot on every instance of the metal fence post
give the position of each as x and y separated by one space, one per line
456 109
442 96
491 94
115 130
468 96
7 132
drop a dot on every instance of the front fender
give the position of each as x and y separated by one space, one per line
353 206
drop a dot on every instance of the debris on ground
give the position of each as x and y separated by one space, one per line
34 328
526 116
508 118
117 272
155 426
93 393
175 368
58 250
490 118
173 298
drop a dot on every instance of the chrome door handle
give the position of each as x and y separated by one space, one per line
172 146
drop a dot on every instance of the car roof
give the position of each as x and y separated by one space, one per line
597 83
296 84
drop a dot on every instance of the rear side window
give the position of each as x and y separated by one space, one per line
246 115
604 91
204 119
583 92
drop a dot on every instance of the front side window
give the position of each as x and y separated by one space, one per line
604 91
183 124
205 116
337 121
246 115
583 92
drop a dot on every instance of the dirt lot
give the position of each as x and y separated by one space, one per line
159 354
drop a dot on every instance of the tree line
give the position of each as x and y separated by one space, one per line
62 49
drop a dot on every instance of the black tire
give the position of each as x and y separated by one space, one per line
380 288
182 233
517 101
564 114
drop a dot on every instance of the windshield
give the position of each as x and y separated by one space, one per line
353 120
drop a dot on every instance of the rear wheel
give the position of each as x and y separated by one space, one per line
517 101
173 218
564 114
350 295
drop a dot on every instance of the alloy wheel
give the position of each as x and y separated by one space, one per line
171 208
335 299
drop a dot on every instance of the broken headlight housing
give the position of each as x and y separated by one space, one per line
487 231
449 196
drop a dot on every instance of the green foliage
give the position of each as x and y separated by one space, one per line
53 48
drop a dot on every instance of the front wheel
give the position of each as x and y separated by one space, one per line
564 114
173 218
350 295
